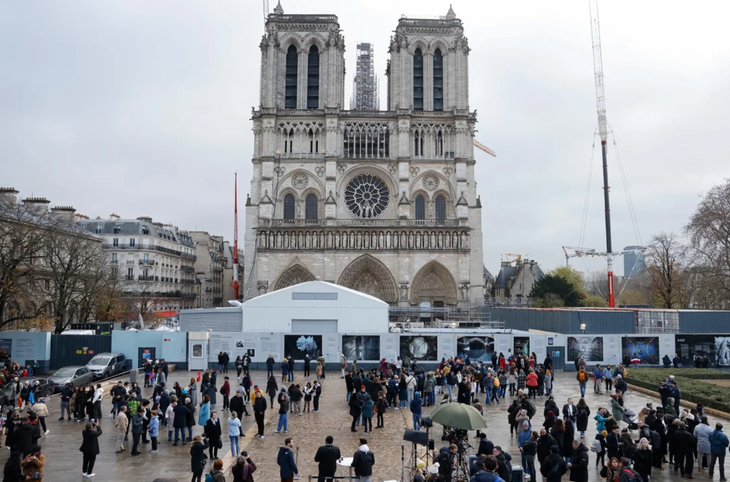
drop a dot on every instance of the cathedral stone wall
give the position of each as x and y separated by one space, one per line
384 202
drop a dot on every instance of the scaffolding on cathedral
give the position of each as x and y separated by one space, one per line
365 83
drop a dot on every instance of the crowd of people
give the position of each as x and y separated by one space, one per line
627 445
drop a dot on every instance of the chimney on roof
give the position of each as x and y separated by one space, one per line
38 205
145 219
8 195
65 214
114 217
80 217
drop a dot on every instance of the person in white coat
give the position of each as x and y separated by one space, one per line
702 434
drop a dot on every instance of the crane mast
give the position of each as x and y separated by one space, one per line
603 133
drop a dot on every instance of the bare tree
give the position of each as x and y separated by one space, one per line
75 267
666 259
22 244
709 232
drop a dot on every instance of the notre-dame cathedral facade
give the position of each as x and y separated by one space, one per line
383 202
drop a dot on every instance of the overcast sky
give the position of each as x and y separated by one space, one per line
143 109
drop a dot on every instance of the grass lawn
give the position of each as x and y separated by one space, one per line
697 385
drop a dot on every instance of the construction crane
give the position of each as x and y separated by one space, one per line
517 257
484 148
577 253
603 134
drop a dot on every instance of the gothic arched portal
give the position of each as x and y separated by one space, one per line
434 283
293 276
369 275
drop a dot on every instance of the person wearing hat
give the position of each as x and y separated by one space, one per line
554 465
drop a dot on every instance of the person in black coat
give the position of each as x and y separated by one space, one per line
558 433
579 464
684 444
327 457
485 446
213 434
190 417
554 466
90 447
568 437
23 437
13 472
180 421
197 454
544 442
363 460
613 441
355 410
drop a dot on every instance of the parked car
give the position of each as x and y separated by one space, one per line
105 365
46 389
75 375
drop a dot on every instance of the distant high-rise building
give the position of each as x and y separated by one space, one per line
365 85
634 262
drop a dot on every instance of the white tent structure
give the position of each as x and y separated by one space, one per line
315 307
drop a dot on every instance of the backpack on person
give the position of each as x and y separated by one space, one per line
208 477
531 410
633 475
596 446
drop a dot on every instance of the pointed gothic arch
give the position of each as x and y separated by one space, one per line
294 275
434 283
369 275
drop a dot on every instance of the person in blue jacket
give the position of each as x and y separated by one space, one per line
718 446
416 411
285 459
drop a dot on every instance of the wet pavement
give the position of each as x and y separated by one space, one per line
63 459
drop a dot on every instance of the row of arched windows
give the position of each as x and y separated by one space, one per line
292 71
310 207
440 206
438 80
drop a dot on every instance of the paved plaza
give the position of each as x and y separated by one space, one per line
63 459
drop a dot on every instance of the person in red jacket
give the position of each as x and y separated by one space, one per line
225 391
531 383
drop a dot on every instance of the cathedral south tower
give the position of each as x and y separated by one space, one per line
383 202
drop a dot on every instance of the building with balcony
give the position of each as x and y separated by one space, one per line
209 267
155 262
383 202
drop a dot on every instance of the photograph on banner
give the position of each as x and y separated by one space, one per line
645 348
521 345
590 348
479 348
722 351
419 348
299 345
687 347
361 347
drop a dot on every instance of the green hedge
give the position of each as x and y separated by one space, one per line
689 381
660 374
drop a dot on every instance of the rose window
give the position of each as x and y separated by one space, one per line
367 196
